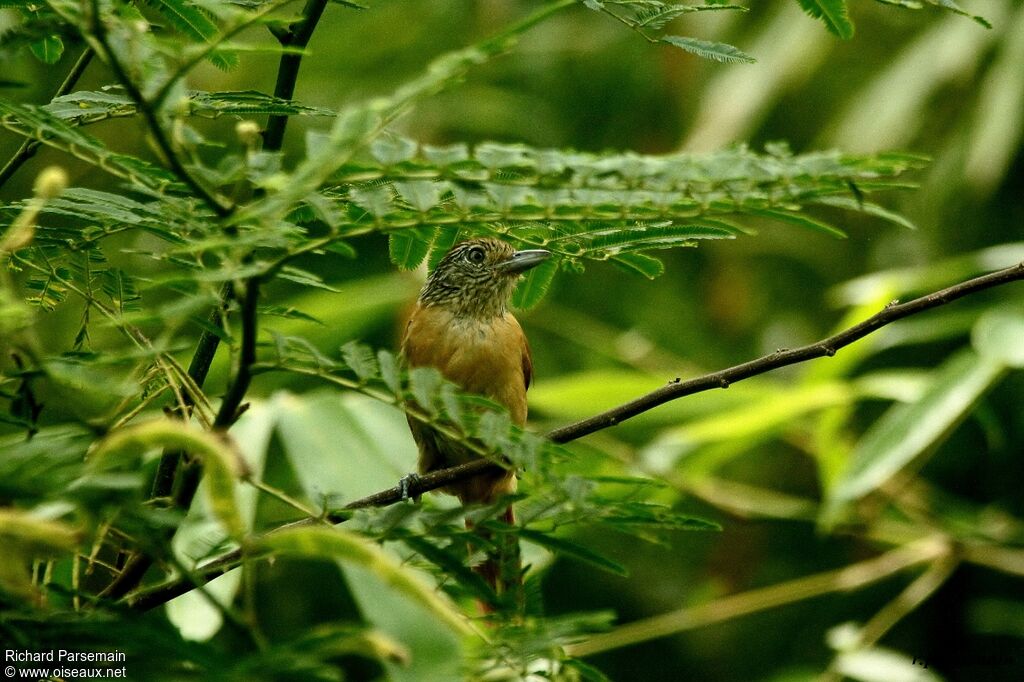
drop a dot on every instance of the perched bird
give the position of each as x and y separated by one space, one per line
462 327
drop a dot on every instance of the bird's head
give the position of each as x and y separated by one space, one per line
476 278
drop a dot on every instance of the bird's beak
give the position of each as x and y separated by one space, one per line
521 261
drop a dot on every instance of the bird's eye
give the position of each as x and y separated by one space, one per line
475 255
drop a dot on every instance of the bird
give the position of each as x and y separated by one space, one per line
461 325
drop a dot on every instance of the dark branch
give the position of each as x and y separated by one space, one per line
246 356
721 379
206 348
296 36
198 369
176 476
28 148
826 347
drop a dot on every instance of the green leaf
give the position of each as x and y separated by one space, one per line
369 444
408 248
288 313
453 565
743 425
31 470
39 124
389 371
50 290
655 236
197 536
26 538
194 22
640 263
248 102
38 537
86 106
534 284
392 149
424 383
452 405
800 220
908 431
360 359
361 124
957 9
719 52
48 50
445 238
422 195
833 14
305 278
561 546
120 287
493 430
871 209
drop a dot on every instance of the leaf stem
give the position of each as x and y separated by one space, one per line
28 148
156 129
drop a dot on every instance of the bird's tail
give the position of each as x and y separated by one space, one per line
502 568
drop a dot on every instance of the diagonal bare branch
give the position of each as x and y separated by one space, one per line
828 347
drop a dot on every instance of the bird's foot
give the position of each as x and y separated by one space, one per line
407 482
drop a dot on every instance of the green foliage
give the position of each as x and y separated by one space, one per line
833 14
654 15
718 52
130 440
595 207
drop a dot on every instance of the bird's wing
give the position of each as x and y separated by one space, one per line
527 363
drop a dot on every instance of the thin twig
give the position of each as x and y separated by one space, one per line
1004 559
175 476
198 369
461 472
851 577
28 148
909 599
781 358
156 129
721 379
178 477
915 594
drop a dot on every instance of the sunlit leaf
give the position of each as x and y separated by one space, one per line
909 431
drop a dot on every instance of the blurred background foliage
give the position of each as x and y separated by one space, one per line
787 463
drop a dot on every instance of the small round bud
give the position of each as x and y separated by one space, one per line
248 132
50 182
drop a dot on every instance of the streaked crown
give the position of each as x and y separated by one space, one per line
476 278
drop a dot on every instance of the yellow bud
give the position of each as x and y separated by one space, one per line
248 132
50 182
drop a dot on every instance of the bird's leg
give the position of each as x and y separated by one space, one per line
405 483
